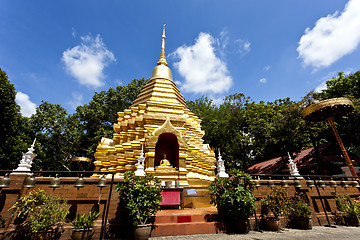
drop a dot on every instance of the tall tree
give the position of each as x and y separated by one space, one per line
56 132
99 115
12 140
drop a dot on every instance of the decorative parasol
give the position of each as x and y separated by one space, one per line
81 160
327 110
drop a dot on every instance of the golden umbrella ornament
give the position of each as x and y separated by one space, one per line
81 160
327 110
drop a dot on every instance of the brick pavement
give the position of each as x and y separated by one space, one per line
318 232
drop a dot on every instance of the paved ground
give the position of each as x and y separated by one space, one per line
319 233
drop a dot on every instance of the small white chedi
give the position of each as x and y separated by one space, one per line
293 168
140 165
26 162
221 168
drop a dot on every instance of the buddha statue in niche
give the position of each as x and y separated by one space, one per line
164 162
165 165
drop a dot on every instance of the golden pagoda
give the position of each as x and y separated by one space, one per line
160 123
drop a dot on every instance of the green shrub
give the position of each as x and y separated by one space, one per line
277 202
233 196
299 208
85 221
350 208
141 196
44 210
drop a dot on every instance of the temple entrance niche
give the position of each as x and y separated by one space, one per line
167 147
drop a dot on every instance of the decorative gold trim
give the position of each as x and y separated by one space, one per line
81 159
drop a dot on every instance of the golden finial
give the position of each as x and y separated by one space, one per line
162 59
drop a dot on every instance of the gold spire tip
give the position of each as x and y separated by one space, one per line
162 59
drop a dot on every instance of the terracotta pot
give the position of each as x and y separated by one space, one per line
351 221
142 232
81 234
242 226
302 222
43 235
272 224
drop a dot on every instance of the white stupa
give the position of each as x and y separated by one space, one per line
140 165
293 168
26 162
221 168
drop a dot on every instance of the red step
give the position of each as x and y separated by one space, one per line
186 222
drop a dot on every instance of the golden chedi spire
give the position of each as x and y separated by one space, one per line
162 59
161 87
161 70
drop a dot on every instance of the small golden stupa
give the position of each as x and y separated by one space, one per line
160 123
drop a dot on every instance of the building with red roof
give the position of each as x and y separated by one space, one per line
328 161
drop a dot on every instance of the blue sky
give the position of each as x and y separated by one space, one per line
63 51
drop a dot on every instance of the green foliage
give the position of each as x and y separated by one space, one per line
277 202
350 208
233 196
60 136
346 86
342 86
141 196
299 208
248 132
98 116
13 128
63 136
44 210
226 129
29 203
55 131
85 221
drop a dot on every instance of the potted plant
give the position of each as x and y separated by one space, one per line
45 212
350 209
83 225
234 199
300 213
277 203
141 196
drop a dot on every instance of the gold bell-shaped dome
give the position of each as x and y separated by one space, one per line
161 71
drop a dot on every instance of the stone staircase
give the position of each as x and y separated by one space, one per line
186 222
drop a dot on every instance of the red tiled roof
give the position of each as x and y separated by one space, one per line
304 157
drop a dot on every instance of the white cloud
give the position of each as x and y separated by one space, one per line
321 87
263 80
27 107
202 69
333 37
228 46
267 68
73 32
76 101
86 61
329 76
243 46
224 38
217 101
